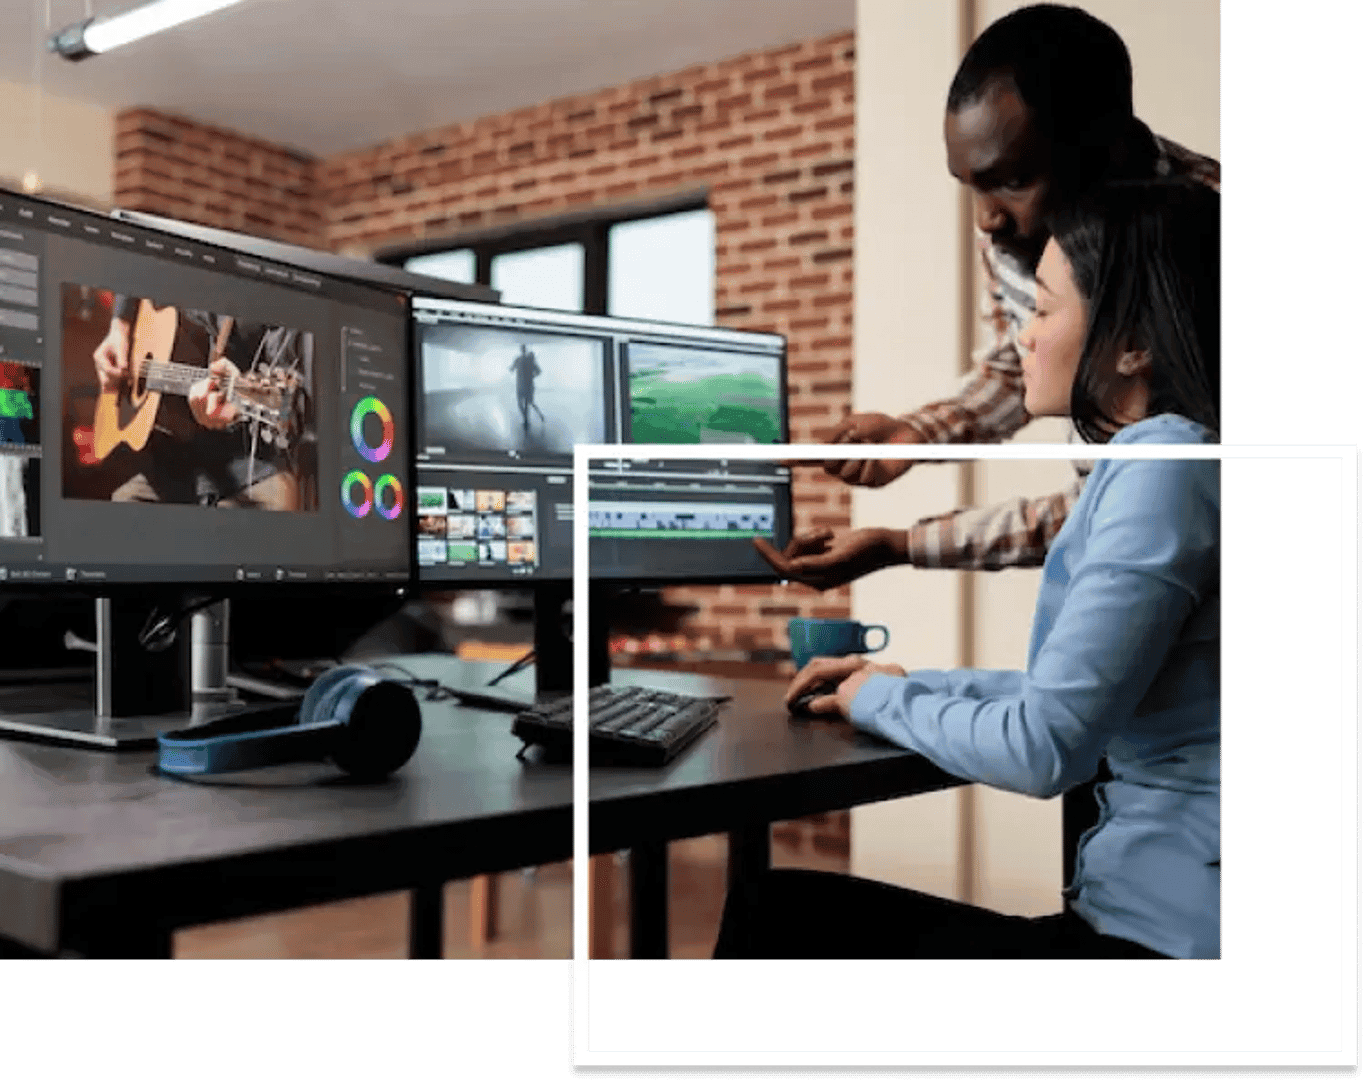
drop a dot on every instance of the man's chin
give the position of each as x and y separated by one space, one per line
1026 251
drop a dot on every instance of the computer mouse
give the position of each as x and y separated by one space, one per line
800 707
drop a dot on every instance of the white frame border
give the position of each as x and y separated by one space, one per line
580 996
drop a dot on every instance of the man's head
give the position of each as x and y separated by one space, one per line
1036 114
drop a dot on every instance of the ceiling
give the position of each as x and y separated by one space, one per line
331 75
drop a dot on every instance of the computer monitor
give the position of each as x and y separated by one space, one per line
129 470
504 393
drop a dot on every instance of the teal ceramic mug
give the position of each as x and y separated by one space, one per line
831 637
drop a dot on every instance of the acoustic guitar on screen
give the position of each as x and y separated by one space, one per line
126 414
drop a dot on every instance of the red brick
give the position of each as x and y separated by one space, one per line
792 248
770 72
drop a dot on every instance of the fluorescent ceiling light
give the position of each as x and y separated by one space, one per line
102 34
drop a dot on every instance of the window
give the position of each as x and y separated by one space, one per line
543 277
663 268
459 265
652 262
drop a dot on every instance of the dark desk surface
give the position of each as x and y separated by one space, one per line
757 765
92 841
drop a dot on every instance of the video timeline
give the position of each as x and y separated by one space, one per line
680 520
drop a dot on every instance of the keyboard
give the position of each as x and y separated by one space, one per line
630 725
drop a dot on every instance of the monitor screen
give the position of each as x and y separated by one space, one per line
506 393
174 411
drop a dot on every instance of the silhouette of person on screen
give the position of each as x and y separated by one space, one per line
526 371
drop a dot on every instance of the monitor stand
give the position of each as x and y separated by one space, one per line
554 642
137 693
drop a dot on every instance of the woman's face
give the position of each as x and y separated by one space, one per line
1053 340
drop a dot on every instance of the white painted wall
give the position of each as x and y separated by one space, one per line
906 320
905 347
69 144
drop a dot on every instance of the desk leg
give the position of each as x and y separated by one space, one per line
426 922
649 901
482 910
750 852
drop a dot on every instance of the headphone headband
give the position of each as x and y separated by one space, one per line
366 724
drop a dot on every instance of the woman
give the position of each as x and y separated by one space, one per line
1123 661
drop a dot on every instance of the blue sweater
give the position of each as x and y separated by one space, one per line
1123 663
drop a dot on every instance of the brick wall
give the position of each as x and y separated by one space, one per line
170 165
768 135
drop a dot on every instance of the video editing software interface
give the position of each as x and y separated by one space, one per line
505 393
172 411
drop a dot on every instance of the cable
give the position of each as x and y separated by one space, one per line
518 665
158 632
435 689
439 691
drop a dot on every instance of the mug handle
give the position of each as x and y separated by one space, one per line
885 638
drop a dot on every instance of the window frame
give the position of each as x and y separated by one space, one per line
591 228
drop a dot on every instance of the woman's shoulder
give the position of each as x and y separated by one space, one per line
1166 428
1157 484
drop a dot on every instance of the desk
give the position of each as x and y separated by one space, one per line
755 767
101 856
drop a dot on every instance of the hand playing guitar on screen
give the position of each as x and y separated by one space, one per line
208 402
111 354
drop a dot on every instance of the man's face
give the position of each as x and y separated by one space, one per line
994 149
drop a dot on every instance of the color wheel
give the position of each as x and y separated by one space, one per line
354 509
362 409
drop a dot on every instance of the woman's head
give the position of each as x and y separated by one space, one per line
1128 309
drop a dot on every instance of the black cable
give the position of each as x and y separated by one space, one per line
435 689
518 665
158 632
439 691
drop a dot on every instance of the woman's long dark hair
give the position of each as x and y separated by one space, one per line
1146 257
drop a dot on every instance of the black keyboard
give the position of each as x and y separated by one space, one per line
630 725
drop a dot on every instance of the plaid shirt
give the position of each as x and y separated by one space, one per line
989 408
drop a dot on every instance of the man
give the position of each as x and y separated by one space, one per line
202 449
527 370
1040 110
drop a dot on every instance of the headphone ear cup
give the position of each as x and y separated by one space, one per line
380 731
379 722
315 709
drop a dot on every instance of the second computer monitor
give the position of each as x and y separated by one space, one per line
505 393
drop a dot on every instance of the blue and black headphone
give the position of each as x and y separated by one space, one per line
363 722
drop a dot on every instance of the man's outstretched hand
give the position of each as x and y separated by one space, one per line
824 559
871 428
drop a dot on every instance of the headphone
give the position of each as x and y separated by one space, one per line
364 723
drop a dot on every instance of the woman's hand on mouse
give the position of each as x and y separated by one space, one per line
845 673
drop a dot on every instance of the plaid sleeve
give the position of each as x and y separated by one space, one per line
989 406
1012 533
